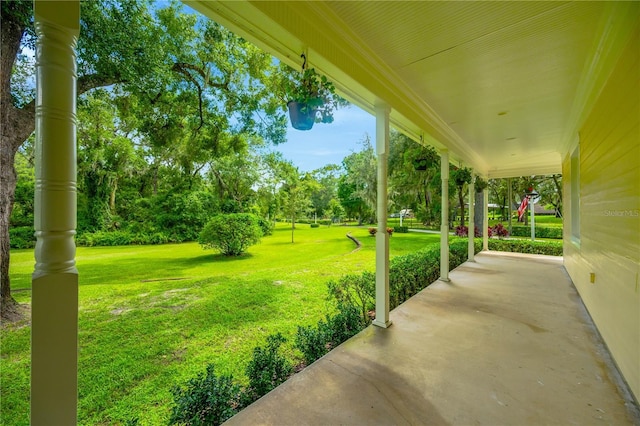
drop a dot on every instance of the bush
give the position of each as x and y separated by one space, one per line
408 274
265 226
541 232
105 238
498 230
358 291
267 369
314 342
373 231
551 248
390 231
206 400
231 233
315 225
22 237
401 229
325 222
463 231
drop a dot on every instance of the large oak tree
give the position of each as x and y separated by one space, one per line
184 83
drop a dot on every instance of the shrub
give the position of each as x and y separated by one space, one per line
390 231
315 225
463 231
498 230
207 399
231 233
105 238
314 342
265 226
551 248
325 222
401 229
358 291
373 231
541 232
267 369
22 237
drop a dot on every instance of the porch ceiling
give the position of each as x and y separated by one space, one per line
503 85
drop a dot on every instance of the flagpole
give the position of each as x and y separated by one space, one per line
533 221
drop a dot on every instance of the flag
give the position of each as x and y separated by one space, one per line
523 207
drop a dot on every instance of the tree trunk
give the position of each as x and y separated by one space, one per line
17 125
461 200
478 217
112 197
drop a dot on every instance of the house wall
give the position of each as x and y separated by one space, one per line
608 241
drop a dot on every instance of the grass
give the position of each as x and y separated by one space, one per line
548 221
142 331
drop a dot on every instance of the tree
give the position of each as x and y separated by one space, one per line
294 193
324 187
412 171
361 178
191 89
461 178
231 233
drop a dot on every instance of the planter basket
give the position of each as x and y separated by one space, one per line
420 164
302 117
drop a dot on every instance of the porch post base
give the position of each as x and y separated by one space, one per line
382 324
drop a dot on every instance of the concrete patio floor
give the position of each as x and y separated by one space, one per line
506 342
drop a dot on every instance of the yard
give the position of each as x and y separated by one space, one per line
151 317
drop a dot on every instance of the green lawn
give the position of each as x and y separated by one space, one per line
151 317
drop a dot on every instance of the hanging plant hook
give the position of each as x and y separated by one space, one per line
304 63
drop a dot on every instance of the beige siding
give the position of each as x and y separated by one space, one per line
609 245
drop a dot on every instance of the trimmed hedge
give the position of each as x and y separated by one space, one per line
22 237
541 232
408 275
551 248
213 399
314 225
401 229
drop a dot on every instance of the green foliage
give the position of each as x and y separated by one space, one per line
207 399
401 229
106 238
314 342
408 274
541 232
550 248
315 225
480 184
357 291
22 237
461 176
232 233
325 222
265 226
267 369
316 92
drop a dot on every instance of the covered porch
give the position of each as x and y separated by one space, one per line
506 341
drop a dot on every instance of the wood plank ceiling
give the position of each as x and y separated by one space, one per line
502 85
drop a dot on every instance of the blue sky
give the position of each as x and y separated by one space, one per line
328 143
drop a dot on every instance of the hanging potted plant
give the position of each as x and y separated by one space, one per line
311 98
421 164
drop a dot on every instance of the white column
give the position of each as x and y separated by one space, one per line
472 215
485 219
382 238
510 197
444 225
54 303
